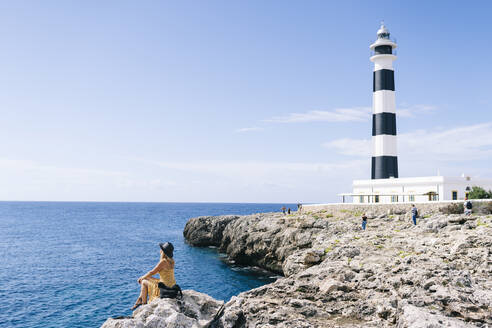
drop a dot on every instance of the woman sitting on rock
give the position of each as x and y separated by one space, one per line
165 269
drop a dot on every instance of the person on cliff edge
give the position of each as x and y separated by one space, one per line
415 214
165 268
364 221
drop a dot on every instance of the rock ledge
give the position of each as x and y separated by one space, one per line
195 310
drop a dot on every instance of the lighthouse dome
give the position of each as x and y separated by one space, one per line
383 32
383 42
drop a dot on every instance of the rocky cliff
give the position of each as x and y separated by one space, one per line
435 274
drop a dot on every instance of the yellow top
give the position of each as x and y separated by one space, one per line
166 276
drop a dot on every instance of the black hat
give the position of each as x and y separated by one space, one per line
167 248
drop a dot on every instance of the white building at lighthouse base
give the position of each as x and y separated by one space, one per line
418 189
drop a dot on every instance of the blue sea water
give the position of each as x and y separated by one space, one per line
74 264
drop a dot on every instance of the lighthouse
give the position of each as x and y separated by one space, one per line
385 186
384 156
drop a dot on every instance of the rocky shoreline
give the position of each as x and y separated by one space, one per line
435 274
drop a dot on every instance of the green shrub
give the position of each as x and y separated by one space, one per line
479 193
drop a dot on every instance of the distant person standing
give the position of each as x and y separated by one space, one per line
467 205
415 214
283 209
364 221
299 207
288 210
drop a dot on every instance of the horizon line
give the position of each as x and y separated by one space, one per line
149 202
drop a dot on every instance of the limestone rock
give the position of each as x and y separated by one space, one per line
393 274
193 311
414 317
206 230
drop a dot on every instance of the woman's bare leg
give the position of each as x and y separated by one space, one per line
142 298
144 290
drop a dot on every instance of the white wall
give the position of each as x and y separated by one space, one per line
419 185
460 185
396 189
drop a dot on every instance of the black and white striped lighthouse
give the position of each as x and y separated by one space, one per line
384 157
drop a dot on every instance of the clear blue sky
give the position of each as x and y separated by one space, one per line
238 101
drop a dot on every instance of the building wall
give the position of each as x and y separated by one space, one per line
460 185
442 186
398 187
449 187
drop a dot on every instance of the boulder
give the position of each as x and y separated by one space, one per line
194 310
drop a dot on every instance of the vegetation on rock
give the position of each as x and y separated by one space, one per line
479 193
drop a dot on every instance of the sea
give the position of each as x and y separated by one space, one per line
74 264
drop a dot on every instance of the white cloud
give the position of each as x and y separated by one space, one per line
243 130
405 110
464 143
31 180
212 181
472 142
355 114
351 147
250 168
262 180
43 171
